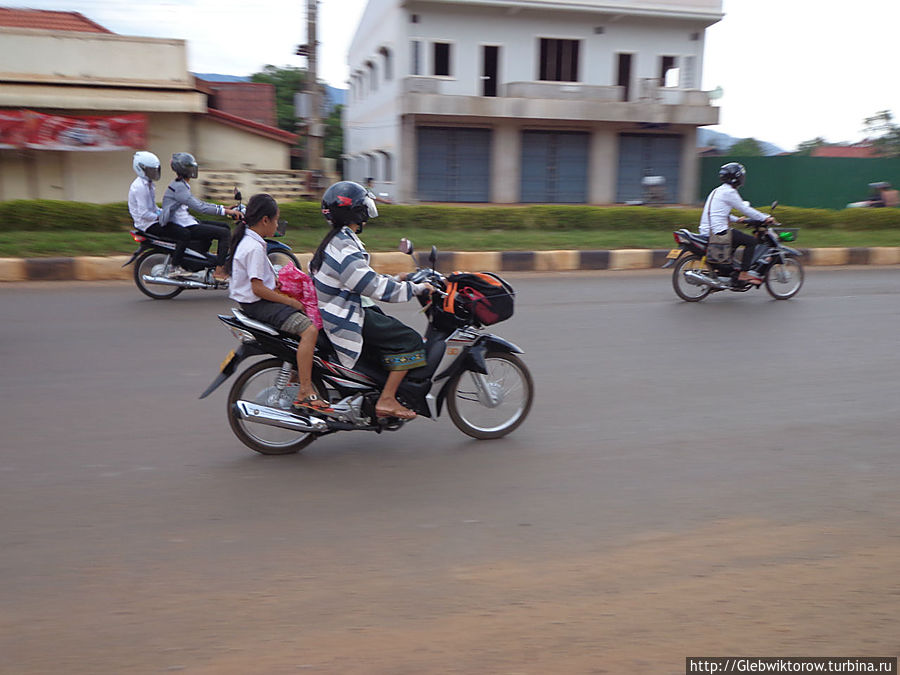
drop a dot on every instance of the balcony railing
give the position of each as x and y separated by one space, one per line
648 91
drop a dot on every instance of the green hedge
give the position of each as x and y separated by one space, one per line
45 215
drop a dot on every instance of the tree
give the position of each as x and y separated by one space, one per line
334 134
747 147
884 134
806 147
287 81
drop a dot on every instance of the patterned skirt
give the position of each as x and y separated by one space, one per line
391 342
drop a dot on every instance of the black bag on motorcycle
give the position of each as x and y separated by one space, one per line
482 295
718 251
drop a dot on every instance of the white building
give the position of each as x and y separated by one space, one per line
505 101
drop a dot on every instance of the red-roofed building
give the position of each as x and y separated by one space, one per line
857 151
77 100
49 20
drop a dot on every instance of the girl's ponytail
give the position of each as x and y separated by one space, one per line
236 235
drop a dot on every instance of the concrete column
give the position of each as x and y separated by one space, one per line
603 165
690 168
506 158
406 161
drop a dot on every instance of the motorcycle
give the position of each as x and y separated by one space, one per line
154 255
695 277
487 388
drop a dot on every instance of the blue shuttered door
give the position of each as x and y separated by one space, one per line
643 155
554 167
454 165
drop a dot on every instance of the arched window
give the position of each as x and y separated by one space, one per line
388 166
373 75
388 66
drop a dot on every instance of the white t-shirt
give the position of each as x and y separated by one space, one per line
250 262
718 209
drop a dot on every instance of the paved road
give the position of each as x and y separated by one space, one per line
708 479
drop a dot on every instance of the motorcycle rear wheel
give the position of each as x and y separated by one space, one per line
784 281
257 384
144 265
508 379
683 289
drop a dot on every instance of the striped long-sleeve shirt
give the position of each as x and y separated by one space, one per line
342 280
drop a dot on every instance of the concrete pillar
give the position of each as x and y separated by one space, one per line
506 158
690 168
406 161
603 165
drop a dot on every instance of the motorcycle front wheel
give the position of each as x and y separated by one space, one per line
282 258
259 384
783 281
683 288
511 391
152 263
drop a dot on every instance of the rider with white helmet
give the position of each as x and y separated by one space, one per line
142 194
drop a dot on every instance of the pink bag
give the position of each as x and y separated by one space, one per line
300 287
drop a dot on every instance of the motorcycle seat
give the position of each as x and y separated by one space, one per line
696 237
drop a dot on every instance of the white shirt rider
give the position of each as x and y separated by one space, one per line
250 262
142 203
718 207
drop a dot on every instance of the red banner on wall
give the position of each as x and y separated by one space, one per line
30 129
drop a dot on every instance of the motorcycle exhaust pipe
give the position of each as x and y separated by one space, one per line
697 279
274 417
181 283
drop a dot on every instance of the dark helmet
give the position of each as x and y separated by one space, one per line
733 174
346 203
184 165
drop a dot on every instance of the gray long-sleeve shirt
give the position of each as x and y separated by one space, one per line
178 201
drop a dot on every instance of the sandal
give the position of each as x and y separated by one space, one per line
401 413
313 404
750 279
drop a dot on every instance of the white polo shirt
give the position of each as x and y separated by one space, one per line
250 262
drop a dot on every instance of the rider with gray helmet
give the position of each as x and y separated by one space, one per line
178 202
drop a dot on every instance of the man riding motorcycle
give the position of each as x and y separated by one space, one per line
717 217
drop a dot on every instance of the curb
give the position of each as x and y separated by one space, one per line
96 268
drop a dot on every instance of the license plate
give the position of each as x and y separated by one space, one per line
226 361
674 253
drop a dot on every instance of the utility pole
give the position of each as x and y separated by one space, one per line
314 124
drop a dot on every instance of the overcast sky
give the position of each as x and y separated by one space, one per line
790 70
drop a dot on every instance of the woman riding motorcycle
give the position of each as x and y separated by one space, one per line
717 216
345 283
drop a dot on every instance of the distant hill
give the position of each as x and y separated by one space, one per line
710 138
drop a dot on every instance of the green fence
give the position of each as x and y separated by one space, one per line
812 182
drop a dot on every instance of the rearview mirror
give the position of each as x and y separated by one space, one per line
774 204
406 246
237 193
433 257
281 228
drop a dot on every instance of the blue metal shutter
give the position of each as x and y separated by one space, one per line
554 167
643 155
454 165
